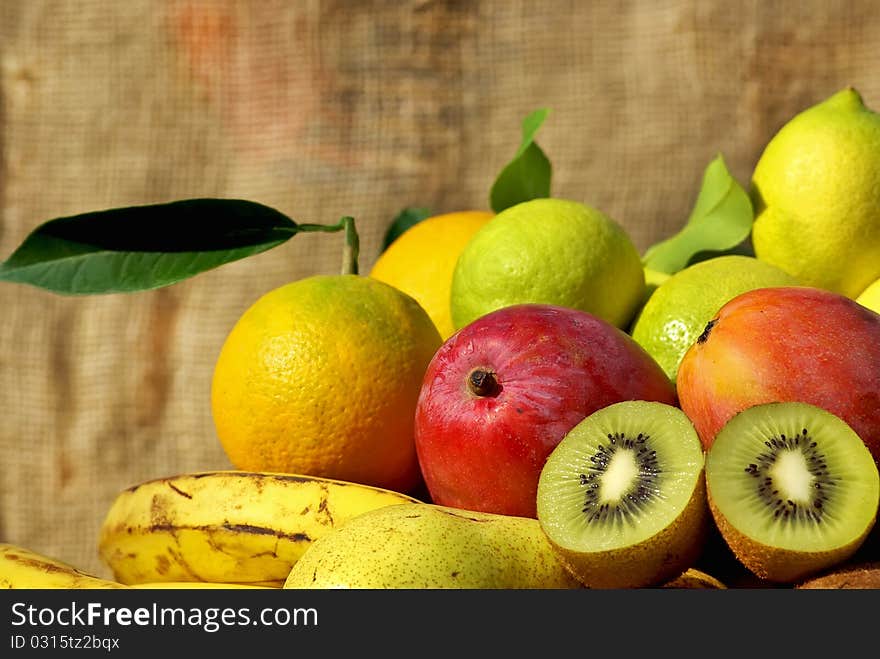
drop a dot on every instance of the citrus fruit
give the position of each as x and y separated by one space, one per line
816 192
870 297
679 309
321 377
420 262
549 251
653 279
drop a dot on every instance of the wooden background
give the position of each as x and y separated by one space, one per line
324 109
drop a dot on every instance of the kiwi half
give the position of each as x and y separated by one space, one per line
792 488
622 496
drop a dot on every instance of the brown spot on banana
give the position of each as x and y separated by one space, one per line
179 491
183 563
324 507
40 565
234 528
162 564
262 530
257 475
159 513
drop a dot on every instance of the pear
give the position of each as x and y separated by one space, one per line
421 546
816 194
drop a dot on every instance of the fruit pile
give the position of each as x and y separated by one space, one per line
519 399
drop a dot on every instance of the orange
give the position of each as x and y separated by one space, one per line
421 261
321 377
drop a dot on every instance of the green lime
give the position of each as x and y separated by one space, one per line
679 309
549 251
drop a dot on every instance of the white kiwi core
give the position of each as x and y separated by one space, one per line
622 470
792 475
619 477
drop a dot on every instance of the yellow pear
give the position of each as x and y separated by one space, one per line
428 546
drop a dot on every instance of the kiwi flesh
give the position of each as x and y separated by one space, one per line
792 489
622 496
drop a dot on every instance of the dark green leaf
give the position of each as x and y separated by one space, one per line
407 218
528 175
143 247
720 222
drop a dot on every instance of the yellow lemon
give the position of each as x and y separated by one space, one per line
677 312
870 297
321 377
550 251
816 192
420 262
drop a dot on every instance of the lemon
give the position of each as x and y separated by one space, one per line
321 377
870 297
816 192
549 251
421 261
677 312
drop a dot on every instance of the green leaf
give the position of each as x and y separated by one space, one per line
407 218
720 222
528 175
143 247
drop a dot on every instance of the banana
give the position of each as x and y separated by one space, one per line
21 567
227 526
190 585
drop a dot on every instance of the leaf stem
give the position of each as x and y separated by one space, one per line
352 243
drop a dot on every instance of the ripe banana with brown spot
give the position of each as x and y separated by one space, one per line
227 526
21 567
192 585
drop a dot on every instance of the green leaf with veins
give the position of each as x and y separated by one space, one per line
137 248
719 223
528 175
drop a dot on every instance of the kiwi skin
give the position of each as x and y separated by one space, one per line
693 578
657 560
860 575
776 564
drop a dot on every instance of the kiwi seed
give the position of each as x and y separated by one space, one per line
622 496
792 488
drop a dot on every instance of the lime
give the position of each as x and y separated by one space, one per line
549 251
679 309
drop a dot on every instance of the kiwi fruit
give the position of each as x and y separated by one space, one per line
792 489
622 496
694 578
857 575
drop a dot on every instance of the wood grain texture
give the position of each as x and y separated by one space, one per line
324 109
